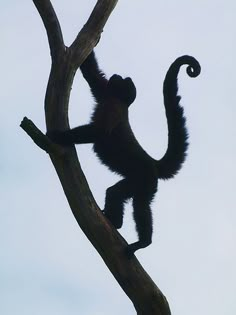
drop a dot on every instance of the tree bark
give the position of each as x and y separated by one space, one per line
143 292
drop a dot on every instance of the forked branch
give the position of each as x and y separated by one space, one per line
145 295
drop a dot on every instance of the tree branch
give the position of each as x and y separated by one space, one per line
143 292
40 139
52 26
145 295
90 33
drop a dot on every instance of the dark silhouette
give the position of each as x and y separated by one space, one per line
117 147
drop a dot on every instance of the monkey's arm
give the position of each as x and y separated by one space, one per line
82 134
94 76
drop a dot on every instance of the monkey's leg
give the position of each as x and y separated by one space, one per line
143 218
81 134
116 196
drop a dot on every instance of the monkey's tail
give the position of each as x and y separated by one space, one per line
172 161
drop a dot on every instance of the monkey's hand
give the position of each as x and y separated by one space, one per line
59 137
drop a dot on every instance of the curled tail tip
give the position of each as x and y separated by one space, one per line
193 66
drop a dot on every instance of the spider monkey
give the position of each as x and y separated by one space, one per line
116 146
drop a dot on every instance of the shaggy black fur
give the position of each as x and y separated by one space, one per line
117 147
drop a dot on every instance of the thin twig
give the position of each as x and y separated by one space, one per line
40 138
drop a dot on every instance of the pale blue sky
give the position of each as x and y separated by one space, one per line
47 266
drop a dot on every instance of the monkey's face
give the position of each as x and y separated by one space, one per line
122 89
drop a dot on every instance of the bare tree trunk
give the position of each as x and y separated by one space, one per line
145 295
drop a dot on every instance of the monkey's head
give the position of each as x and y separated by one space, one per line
122 89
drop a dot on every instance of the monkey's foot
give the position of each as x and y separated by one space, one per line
116 221
131 248
129 252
